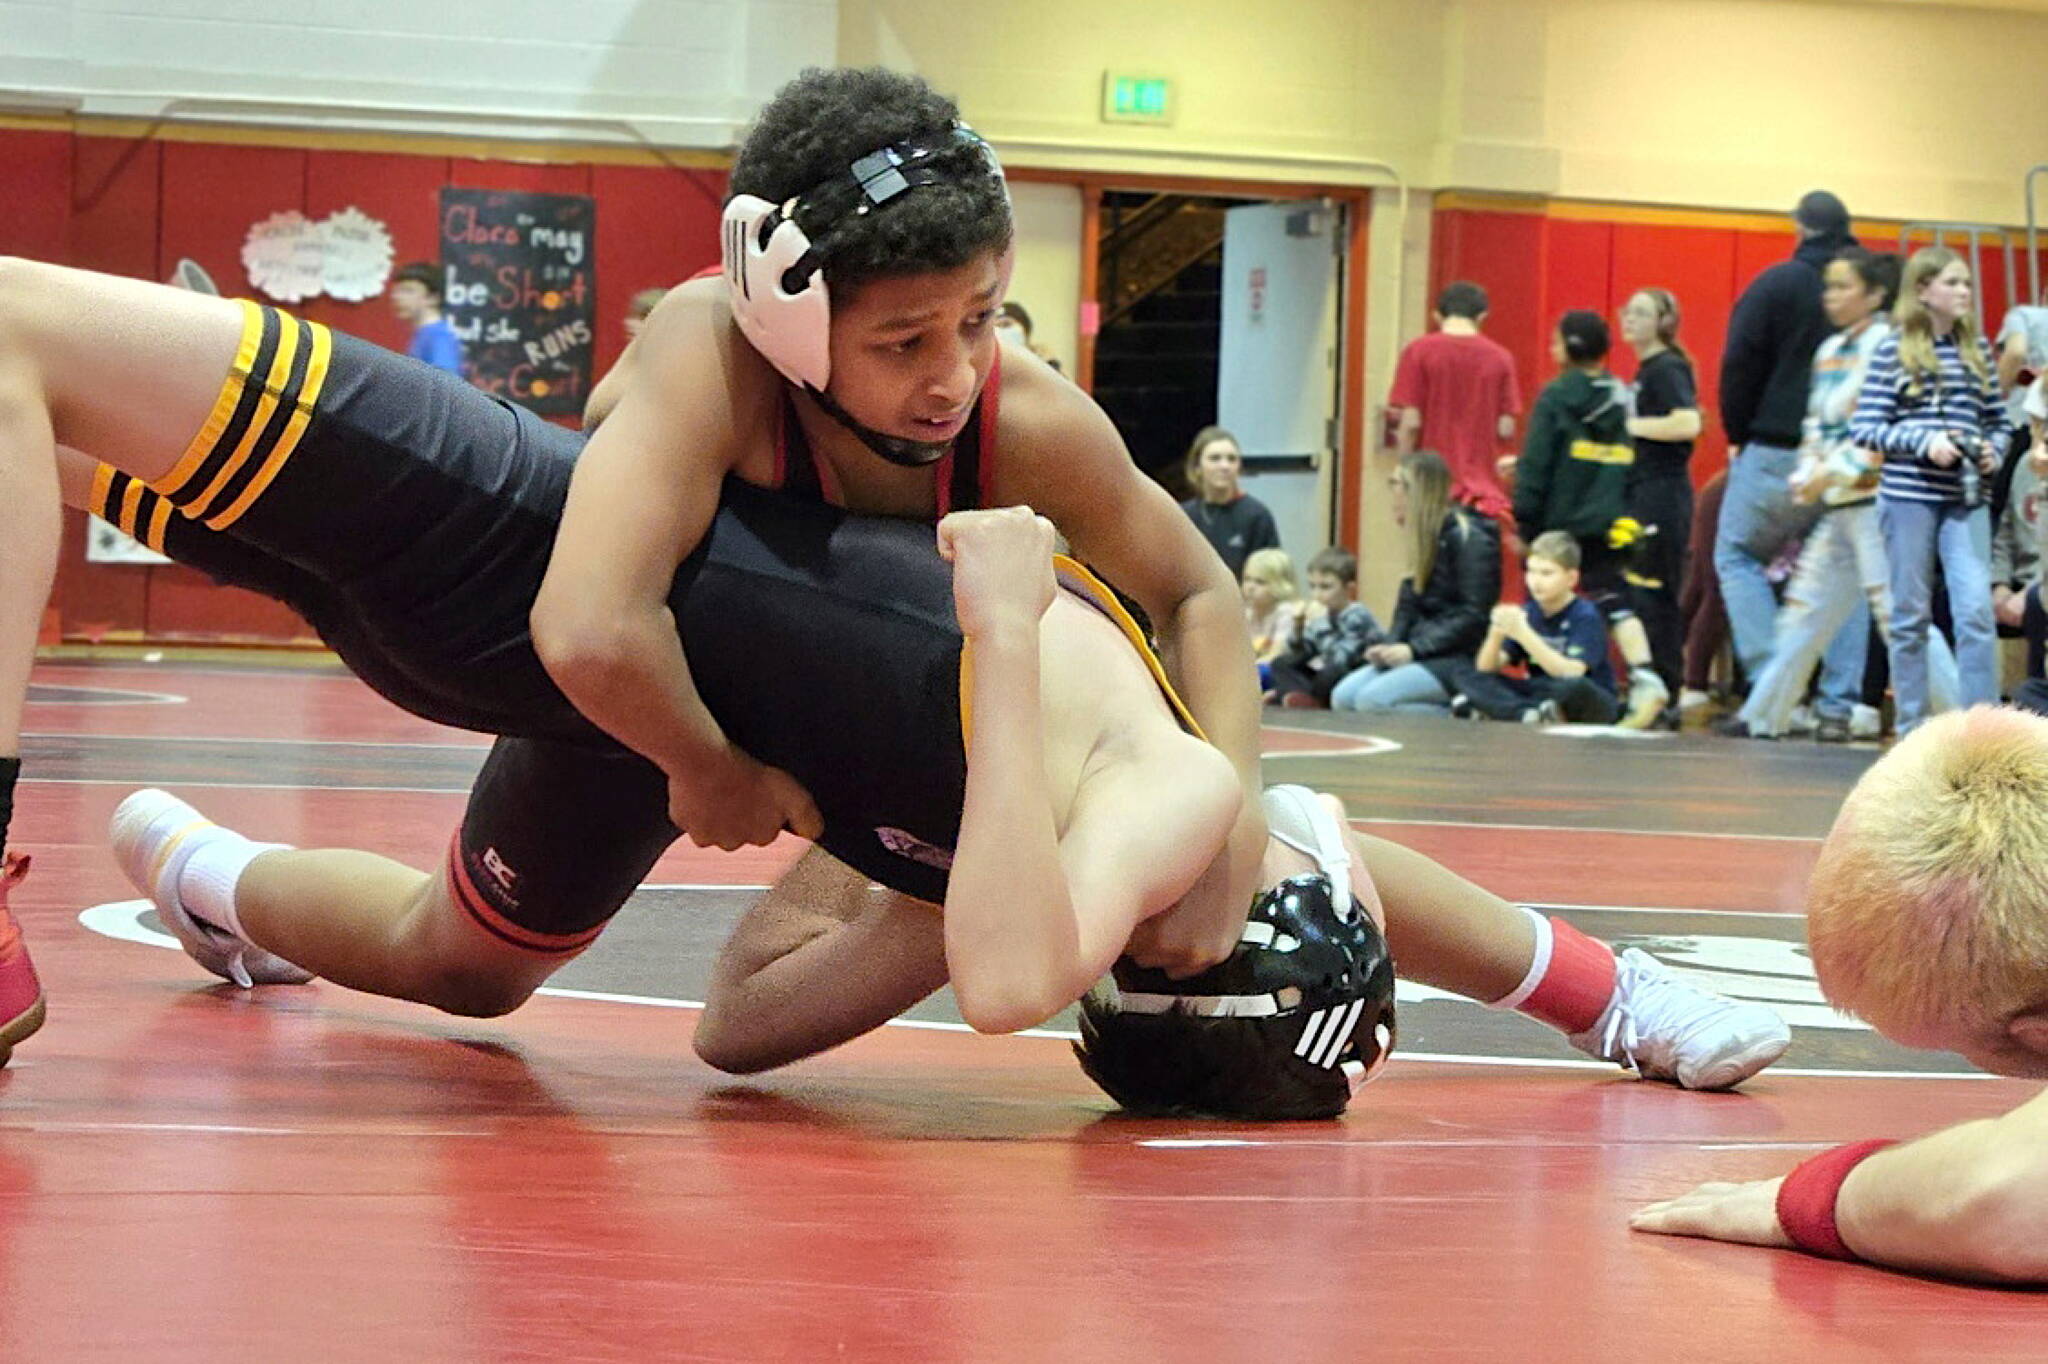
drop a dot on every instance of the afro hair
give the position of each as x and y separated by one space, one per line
819 124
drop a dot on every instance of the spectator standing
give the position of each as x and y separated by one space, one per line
1573 477
1930 406
1452 584
1456 393
2022 357
1766 368
1706 618
1230 519
2017 526
416 297
1843 560
1664 423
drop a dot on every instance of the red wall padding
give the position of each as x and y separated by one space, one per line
134 207
1535 267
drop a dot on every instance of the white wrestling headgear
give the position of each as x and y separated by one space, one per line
776 255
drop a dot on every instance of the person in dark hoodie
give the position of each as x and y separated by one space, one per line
1573 477
1766 371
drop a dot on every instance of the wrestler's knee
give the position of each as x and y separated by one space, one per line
460 970
474 989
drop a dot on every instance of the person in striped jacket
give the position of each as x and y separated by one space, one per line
1930 407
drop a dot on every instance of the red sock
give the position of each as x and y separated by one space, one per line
1570 980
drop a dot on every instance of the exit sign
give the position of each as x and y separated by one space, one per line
1136 99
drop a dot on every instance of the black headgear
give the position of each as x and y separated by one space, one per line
1298 1017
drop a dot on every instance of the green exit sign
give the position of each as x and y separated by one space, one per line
1136 99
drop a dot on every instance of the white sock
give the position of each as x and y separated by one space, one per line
206 885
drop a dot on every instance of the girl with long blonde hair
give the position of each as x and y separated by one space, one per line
1930 407
1453 581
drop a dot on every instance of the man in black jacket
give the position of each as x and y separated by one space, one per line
1772 335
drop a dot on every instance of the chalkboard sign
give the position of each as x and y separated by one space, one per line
521 285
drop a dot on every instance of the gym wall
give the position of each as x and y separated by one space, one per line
116 201
686 72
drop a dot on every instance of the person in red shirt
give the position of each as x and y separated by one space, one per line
1456 392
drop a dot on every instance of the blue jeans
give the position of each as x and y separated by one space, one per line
1408 687
1758 501
1842 567
1916 534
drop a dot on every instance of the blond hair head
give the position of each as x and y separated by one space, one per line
1915 324
1928 911
1275 571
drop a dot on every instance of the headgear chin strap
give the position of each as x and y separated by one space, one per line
911 454
776 259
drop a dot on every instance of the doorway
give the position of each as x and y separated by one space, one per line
1227 310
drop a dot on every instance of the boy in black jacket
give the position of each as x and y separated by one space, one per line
1573 477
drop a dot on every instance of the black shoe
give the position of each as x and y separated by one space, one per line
1832 729
1735 727
1462 708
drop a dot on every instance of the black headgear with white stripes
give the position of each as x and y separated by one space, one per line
1289 1026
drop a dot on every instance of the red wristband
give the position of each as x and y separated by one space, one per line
1806 1200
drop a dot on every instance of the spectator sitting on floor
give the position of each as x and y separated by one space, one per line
1453 581
1336 632
1558 634
1272 604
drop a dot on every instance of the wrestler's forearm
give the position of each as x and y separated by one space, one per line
1210 655
1012 941
1970 1201
634 683
828 982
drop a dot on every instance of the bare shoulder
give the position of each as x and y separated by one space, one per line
1049 432
692 361
1147 825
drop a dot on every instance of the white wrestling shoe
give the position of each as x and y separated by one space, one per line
153 834
1666 1029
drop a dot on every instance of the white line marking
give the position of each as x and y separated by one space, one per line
111 696
1584 829
121 919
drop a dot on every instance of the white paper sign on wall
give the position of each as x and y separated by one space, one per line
292 258
283 255
358 259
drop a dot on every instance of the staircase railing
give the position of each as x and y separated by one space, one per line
1151 246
